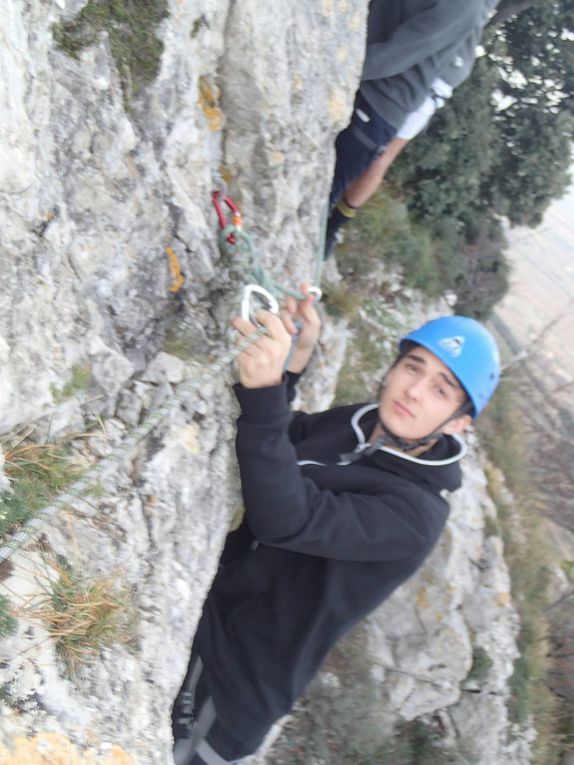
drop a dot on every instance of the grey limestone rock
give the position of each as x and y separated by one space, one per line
99 189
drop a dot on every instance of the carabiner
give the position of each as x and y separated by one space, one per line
317 291
263 295
236 219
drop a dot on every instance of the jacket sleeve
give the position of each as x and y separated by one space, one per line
292 378
422 36
284 509
299 421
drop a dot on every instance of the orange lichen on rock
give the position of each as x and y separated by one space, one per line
56 749
422 598
177 278
208 99
226 173
503 599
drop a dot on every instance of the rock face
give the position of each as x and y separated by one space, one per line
93 190
426 638
103 186
96 181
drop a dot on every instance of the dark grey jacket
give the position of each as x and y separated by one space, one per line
410 43
322 544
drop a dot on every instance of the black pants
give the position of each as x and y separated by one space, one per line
358 145
204 740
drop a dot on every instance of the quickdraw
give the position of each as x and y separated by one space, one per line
227 229
234 240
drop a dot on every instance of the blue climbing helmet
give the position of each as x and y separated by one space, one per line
467 349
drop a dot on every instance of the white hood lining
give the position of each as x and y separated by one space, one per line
362 444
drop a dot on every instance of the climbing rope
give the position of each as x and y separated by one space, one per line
90 479
234 237
236 243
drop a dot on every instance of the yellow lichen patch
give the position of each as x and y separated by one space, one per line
354 22
422 598
343 6
276 158
118 756
56 749
337 107
208 100
189 438
503 599
327 6
297 82
341 55
226 173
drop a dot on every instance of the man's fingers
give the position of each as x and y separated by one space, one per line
309 312
288 322
245 327
272 323
290 304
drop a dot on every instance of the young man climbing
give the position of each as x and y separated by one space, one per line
341 507
417 51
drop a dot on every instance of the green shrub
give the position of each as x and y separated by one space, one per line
341 302
491 527
383 231
7 621
481 665
432 259
359 376
38 473
529 557
79 381
419 743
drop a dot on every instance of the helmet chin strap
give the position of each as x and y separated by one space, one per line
404 444
396 442
410 444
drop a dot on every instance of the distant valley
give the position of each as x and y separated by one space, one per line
537 315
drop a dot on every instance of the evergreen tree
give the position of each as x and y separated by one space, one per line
500 147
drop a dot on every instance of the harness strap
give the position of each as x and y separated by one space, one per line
185 712
205 720
210 756
185 748
198 725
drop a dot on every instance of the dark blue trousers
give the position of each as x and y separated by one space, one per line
358 145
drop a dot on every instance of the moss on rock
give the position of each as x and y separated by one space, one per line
131 27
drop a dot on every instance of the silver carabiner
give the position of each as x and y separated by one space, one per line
264 296
317 291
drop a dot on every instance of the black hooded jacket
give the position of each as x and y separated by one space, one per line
323 542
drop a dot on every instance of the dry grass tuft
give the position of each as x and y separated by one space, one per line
82 614
37 472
